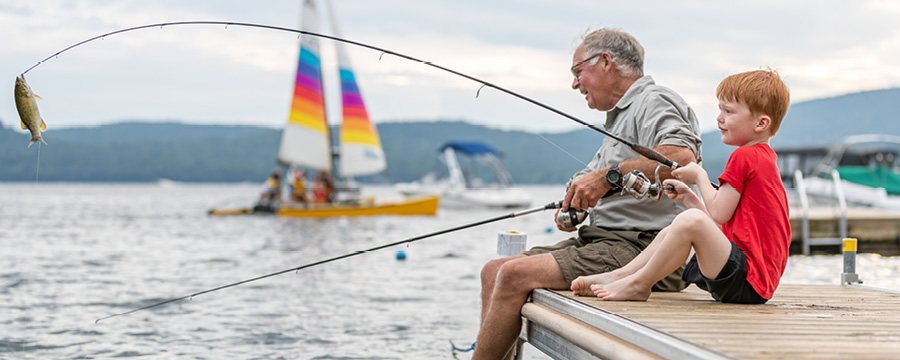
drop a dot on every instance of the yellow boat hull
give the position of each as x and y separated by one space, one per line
417 205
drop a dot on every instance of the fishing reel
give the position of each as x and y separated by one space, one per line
634 183
571 218
638 185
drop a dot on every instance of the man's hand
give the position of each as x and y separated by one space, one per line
586 191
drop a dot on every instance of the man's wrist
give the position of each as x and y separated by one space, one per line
614 176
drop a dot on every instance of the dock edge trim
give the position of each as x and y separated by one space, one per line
653 340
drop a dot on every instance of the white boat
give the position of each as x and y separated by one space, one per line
865 165
472 176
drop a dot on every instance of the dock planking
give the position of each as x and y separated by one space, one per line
800 322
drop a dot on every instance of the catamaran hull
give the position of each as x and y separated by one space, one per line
418 205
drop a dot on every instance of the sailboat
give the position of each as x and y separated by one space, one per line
306 142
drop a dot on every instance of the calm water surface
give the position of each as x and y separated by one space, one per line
73 253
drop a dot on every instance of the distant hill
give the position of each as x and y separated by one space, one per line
148 151
136 151
141 152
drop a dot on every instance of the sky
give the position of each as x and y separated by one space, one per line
217 75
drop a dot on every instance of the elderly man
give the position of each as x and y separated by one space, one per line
608 70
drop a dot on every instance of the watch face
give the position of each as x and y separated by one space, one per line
613 177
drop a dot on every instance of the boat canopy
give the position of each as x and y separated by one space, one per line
470 148
879 177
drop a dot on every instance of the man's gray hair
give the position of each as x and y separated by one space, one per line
627 53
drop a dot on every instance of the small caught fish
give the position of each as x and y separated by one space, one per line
28 110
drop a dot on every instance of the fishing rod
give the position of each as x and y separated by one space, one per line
550 206
640 149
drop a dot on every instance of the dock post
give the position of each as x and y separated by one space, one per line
511 243
849 276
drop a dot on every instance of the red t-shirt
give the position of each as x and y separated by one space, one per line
760 225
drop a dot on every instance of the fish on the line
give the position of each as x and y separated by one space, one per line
26 104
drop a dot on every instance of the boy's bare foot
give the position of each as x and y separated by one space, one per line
582 284
626 289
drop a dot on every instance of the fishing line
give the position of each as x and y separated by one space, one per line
37 170
560 149
640 149
550 206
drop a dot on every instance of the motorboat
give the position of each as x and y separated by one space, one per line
471 175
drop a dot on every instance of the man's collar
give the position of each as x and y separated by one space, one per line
636 88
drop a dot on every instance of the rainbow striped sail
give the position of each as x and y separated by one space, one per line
305 140
361 152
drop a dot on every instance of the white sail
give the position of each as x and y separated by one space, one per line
305 139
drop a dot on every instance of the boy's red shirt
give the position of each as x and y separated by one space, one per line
760 225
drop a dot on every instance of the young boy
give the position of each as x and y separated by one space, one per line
739 234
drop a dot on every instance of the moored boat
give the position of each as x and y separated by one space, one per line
865 164
479 181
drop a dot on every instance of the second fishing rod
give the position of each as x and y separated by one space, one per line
577 216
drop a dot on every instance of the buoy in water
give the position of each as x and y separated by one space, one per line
401 255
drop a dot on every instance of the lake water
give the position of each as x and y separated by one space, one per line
74 253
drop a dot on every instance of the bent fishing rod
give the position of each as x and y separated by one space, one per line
640 149
550 206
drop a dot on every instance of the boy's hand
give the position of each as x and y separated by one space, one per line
690 174
679 191
682 193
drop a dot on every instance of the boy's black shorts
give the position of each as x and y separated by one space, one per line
731 285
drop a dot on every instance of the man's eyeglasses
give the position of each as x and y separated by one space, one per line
576 72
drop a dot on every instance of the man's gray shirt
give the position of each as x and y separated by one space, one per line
649 115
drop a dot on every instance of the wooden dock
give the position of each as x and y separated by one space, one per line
800 322
878 231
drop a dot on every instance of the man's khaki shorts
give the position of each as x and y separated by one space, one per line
597 250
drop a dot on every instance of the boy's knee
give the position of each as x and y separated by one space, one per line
691 218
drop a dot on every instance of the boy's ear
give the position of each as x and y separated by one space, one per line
763 123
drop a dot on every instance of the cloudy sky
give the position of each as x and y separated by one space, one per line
214 75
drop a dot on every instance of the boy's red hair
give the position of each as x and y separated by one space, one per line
762 91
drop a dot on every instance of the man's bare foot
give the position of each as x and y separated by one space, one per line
582 284
625 289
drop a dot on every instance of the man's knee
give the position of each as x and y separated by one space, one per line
491 268
520 273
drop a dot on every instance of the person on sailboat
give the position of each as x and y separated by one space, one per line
298 187
323 188
608 69
271 190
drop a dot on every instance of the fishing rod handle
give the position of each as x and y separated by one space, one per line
655 156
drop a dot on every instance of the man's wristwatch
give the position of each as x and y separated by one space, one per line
614 177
